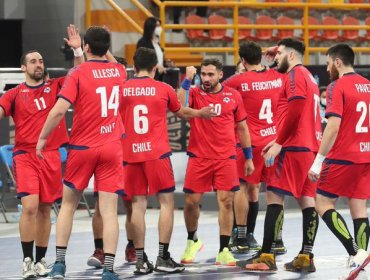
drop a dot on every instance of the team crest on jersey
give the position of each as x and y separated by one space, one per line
226 100
47 90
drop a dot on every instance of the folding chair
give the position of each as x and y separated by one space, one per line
63 157
6 154
2 206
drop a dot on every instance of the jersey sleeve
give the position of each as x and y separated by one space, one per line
334 101
240 114
173 102
70 86
6 101
295 86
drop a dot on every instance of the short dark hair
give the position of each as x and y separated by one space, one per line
23 59
121 60
149 27
145 59
293 44
250 52
212 61
98 39
344 52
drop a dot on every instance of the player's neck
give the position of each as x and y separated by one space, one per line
90 56
144 74
345 70
32 82
256 68
293 64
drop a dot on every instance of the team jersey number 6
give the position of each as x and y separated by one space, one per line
112 103
141 123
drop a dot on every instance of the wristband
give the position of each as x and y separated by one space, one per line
186 83
317 164
78 52
248 153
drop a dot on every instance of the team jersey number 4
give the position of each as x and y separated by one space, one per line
265 111
112 103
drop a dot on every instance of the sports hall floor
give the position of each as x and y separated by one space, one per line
330 257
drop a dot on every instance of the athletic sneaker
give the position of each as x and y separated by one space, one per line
58 271
96 259
301 263
41 268
143 267
28 269
263 262
356 264
225 257
168 265
239 246
130 254
278 247
107 275
190 251
252 243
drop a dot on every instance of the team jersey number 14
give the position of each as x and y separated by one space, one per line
112 103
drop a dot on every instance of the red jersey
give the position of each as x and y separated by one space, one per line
94 88
215 138
300 84
144 113
260 91
29 106
349 99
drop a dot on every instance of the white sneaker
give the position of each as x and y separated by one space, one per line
41 268
356 265
28 269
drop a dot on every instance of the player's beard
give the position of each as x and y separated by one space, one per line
283 66
333 73
209 87
37 75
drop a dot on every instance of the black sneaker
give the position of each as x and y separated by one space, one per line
301 263
168 265
252 243
239 246
278 247
143 266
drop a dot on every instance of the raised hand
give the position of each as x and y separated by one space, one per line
74 38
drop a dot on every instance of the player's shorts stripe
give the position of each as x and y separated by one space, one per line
185 190
22 194
338 161
296 97
235 189
168 190
329 114
78 147
190 154
278 191
295 149
69 184
120 192
327 194
166 155
20 152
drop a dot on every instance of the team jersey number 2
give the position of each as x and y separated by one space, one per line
112 103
